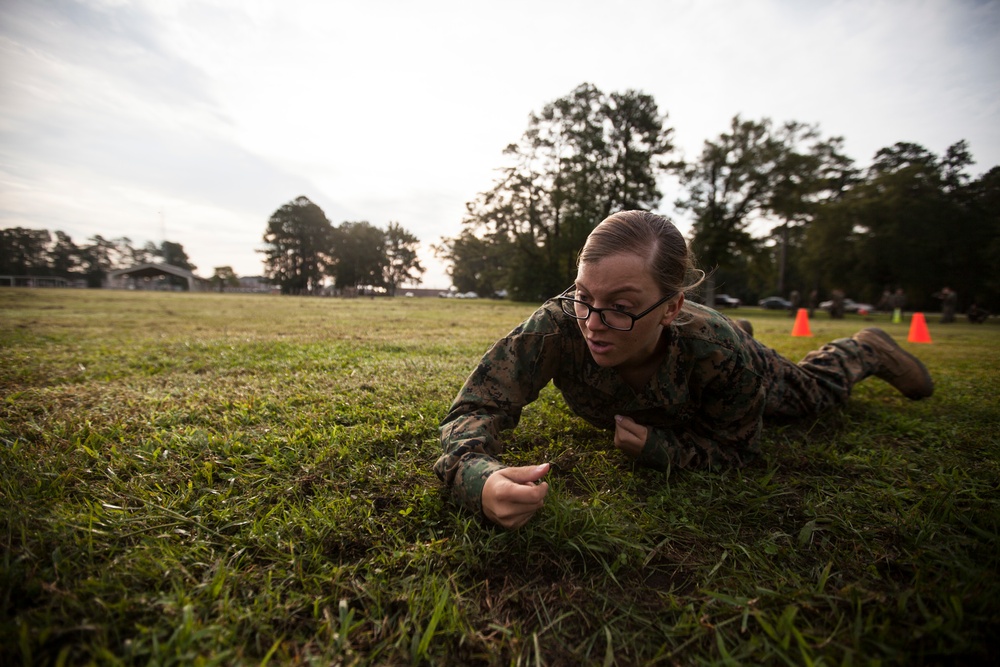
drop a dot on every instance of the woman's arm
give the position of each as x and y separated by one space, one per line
510 376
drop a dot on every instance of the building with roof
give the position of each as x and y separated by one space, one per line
153 276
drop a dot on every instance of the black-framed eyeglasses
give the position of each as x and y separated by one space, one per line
612 318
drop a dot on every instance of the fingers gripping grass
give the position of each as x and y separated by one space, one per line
232 479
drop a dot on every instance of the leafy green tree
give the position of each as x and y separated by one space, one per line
24 252
476 264
99 258
130 255
358 256
64 256
224 277
150 253
831 249
982 277
920 223
755 173
297 242
727 187
904 215
173 254
810 172
582 157
401 262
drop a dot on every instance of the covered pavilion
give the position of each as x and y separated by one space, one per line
152 270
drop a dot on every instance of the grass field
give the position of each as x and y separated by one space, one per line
201 479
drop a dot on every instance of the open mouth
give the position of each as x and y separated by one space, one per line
598 347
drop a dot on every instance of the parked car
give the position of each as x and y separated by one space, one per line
726 301
774 303
850 306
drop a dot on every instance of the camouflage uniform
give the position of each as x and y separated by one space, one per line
704 406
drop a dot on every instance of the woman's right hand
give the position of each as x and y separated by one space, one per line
511 496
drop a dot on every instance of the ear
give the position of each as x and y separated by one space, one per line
673 310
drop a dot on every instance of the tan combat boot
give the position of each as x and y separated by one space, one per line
897 366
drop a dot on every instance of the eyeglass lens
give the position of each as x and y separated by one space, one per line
611 318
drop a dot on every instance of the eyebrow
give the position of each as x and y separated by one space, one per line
627 289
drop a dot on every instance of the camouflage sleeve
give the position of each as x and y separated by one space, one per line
510 376
725 431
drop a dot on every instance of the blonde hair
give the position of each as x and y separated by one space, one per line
646 234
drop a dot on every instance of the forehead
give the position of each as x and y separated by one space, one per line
621 272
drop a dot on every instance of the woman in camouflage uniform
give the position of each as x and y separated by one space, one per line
678 383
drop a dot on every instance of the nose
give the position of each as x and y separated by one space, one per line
594 322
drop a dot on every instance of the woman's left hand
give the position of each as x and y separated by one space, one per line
630 437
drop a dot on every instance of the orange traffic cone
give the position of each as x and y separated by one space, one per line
918 329
801 326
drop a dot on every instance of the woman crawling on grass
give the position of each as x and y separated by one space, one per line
679 384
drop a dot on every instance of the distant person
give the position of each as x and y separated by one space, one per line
837 304
796 300
898 303
813 300
676 383
977 315
884 302
949 302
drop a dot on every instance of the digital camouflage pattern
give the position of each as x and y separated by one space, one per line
704 406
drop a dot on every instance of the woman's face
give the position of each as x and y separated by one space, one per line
622 281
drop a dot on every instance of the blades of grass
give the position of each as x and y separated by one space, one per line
420 652
722 559
824 576
271 651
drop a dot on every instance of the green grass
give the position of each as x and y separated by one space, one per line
233 479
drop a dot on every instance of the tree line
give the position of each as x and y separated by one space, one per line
302 249
36 252
774 207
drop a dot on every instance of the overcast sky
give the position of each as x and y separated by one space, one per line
195 120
